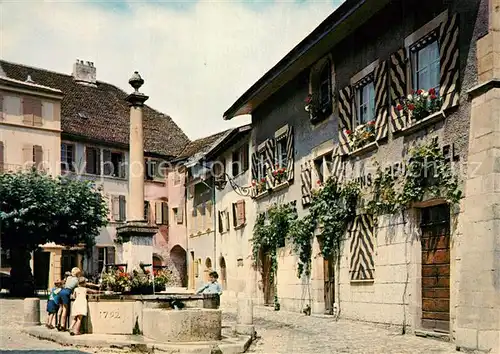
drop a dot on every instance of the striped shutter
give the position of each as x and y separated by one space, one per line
290 153
269 162
255 167
399 80
450 66
362 265
381 101
345 118
337 167
306 183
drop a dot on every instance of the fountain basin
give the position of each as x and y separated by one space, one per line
124 314
190 325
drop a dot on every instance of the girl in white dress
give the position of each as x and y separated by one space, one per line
79 309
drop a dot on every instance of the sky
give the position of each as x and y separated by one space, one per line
196 57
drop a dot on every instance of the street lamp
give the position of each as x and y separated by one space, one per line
221 182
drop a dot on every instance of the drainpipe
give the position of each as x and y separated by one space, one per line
214 216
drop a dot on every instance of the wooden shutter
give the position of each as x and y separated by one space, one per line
337 168
449 61
28 155
221 224
306 183
290 155
269 162
240 207
38 156
122 208
381 101
1 157
37 113
107 166
164 213
158 211
115 208
27 110
399 78
345 118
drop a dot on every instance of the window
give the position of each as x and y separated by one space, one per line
154 169
146 211
325 89
239 214
365 101
178 215
105 255
281 153
118 205
219 168
92 160
318 165
177 178
240 160
116 163
38 156
261 166
67 157
323 166
32 111
161 213
426 67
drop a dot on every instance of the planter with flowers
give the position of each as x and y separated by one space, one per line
420 104
138 282
279 174
362 135
259 185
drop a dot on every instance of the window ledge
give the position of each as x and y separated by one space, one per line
281 186
261 195
363 281
364 149
240 226
417 125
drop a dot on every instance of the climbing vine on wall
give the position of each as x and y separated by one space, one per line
269 234
427 174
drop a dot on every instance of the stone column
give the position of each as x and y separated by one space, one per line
31 312
478 303
244 320
138 235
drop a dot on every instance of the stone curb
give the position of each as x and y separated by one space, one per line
228 345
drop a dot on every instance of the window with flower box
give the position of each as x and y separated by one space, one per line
319 101
429 69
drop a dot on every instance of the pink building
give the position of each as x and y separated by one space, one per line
170 242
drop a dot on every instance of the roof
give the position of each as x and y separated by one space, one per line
229 139
30 85
349 16
101 113
202 145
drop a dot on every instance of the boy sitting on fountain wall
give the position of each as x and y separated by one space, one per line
212 287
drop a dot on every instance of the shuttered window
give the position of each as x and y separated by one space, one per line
92 160
239 213
38 157
164 213
122 208
32 111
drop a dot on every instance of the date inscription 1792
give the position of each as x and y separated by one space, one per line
109 314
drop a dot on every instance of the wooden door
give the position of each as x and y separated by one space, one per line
68 261
268 285
436 268
329 275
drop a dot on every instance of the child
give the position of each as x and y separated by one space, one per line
79 309
59 312
212 287
53 304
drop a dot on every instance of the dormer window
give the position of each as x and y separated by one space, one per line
319 102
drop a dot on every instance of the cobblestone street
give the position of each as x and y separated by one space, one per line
278 332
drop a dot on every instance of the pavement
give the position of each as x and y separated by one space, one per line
277 331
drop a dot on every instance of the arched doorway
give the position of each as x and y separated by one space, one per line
223 273
208 268
179 259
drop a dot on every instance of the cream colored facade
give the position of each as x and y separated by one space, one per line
30 135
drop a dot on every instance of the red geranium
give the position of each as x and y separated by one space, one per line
372 122
419 92
399 107
318 182
348 132
411 106
432 92
433 97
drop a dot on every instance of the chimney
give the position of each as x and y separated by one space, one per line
84 73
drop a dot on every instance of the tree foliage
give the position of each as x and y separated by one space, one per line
36 208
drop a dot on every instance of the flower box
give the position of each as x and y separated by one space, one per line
362 135
420 104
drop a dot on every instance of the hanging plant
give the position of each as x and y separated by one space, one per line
301 234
